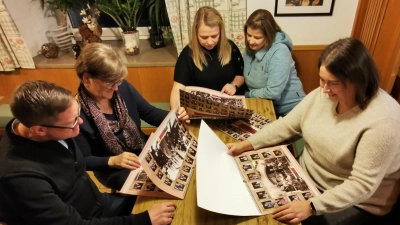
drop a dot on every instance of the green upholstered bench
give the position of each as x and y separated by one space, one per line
298 147
147 128
5 117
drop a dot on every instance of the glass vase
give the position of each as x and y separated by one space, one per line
131 42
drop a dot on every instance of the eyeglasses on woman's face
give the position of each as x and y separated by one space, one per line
65 127
111 85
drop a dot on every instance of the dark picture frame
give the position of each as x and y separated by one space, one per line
294 8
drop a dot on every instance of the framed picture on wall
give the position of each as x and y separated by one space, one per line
304 7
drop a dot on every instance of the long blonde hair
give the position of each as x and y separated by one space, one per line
209 17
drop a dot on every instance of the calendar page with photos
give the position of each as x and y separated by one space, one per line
167 162
251 184
274 178
241 129
203 103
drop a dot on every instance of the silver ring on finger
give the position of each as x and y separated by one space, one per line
129 162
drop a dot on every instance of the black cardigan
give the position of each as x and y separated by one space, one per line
45 183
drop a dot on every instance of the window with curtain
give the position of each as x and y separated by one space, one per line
108 24
14 52
181 14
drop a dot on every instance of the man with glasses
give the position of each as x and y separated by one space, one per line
42 171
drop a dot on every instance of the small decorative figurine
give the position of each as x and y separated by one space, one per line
75 47
90 30
49 50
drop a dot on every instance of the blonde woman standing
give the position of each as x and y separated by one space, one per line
210 60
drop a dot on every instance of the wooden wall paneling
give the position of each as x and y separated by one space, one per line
377 25
9 81
154 83
373 21
396 88
387 48
306 58
359 18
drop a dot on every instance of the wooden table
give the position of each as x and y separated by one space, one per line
187 212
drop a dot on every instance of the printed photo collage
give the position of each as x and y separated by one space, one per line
272 179
241 129
200 107
168 163
238 102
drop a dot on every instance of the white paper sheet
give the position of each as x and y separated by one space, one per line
220 186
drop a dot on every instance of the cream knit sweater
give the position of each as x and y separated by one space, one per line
353 157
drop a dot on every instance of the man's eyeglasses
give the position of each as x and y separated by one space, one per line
111 85
65 127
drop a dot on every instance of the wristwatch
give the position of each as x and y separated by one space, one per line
313 211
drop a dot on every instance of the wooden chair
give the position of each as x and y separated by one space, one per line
101 187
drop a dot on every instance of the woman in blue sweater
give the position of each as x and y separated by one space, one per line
269 69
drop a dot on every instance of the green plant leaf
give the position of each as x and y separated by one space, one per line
169 35
126 13
63 5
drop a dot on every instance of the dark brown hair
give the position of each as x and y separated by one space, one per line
39 102
262 19
349 60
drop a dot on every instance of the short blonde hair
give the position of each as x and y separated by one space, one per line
101 62
209 17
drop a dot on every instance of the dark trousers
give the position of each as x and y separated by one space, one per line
118 205
112 178
349 216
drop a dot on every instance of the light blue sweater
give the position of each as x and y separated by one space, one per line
272 75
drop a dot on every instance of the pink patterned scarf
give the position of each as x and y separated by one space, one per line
130 130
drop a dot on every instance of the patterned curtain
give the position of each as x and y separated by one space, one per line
181 14
13 50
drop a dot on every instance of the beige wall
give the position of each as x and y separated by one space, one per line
313 30
33 22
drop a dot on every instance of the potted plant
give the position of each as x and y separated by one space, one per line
63 6
126 13
61 34
158 19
